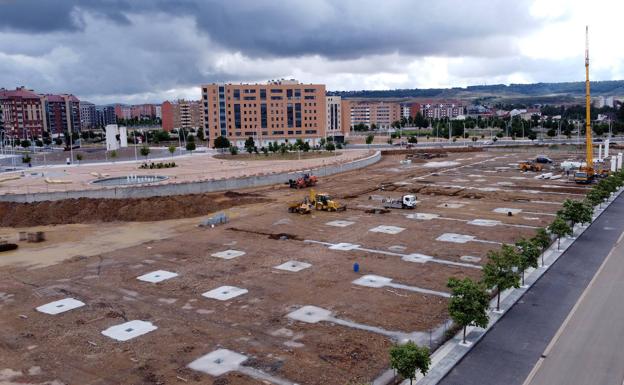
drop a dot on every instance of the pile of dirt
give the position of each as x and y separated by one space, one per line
87 210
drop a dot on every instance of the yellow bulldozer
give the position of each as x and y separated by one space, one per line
530 165
320 202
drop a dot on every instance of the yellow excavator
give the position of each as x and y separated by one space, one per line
587 173
320 202
530 165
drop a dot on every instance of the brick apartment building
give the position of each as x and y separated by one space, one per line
334 126
62 113
381 114
87 115
22 113
186 114
282 110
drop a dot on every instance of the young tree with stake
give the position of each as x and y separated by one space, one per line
408 358
528 253
501 271
542 240
559 228
468 304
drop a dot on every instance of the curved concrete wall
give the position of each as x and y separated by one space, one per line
190 187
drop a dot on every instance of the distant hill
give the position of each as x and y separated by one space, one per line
536 92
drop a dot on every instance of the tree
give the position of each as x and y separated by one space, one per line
575 212
191 146
221 142
528 253
25 143
501 271
113 155
542 240
233 150
369 139
559 228
171 150
145 151
408 358
412 139
38 143
468 304
306 147
330 147
78 157
200 134
265 151
250 144
58 141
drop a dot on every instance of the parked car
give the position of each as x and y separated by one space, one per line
543 159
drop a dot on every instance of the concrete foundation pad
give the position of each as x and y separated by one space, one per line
129 330
157 276
293 266
422 216
505 210
225 293
455 238
218 362
465 344
387 229
339 223
470 258
484 222
60 306
310 314
228 254
416 257
372 281
344 246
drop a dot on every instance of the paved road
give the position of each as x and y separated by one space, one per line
588 349
508 353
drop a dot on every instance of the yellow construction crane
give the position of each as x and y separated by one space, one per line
586 173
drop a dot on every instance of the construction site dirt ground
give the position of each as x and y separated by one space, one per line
466 194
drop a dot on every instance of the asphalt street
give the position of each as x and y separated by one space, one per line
508 352
588 347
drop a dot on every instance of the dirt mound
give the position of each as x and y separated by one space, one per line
87 210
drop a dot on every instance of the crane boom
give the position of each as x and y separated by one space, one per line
589 149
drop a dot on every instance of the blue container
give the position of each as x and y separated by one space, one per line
356 267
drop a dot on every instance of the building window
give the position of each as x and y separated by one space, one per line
276 91
262 94
309 90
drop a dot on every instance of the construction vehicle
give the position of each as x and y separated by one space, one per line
324 202
306 180
319 202
587 173
406 202
530 165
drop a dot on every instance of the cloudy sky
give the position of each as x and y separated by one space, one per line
150 50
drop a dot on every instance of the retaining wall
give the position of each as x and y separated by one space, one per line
184 188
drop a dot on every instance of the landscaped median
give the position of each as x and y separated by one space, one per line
565 229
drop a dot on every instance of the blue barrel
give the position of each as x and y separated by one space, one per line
356 267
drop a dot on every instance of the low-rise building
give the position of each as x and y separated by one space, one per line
439 109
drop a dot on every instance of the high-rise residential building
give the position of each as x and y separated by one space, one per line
62 113
381 114
22 113
438 109
105 115
123 112
334 118
281 111
405 110
158 111
186 114
87 115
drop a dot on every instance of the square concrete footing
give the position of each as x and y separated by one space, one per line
157 276
387 229
505 210
310 314
372 281
218 362
225 293
344 246
339 223
228 254
129 330
417 258
293 266
60 306
455 238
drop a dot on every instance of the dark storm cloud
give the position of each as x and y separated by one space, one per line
334 29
